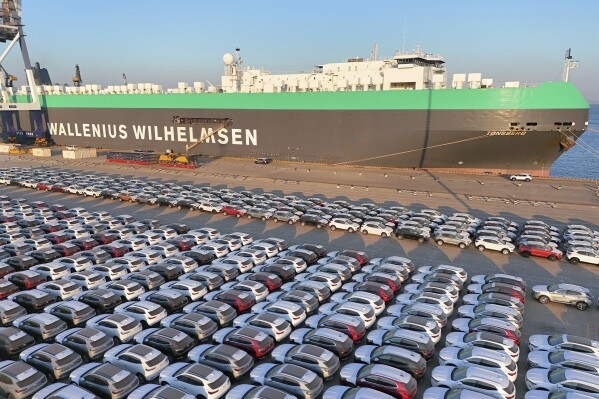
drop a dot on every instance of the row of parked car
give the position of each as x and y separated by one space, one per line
537 238
150 314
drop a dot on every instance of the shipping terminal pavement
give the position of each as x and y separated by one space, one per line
556 201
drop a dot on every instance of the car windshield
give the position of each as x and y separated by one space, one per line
557 376
556 357
220 381
555 340
553 287
459 374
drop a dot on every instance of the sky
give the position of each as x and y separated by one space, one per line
165 42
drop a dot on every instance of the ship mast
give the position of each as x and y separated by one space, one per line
569 63
11 30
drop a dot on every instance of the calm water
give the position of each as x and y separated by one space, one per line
582 160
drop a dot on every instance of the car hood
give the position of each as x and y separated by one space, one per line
435 393
465 310
461 324
442 373
539 288
537 340
386 322
454 337
376 336
281 351
350 372
538 358
537 376
363 353
298 334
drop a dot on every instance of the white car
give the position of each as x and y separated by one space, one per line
139 359
196 379
290 311
270 323
521 177
485 358
207 206
376 228
192 289
146 312
344 224
92 192
493 383
495 244
585 255
121 328
52 271
61 289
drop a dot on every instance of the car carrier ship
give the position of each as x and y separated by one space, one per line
399 112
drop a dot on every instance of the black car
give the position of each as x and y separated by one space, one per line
104 238
312 220
51 228
197 326
411 233
212 281
319 250
26 279
137 227
32 300
201 257
85 243
102 301
308 256
74 313
45 255
14 341
4 255
171 300
32 232
26 223
147 279
180 228
169 341
182 203
90 343
167 271
22 262
284 272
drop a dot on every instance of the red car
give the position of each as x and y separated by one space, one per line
66 249
271 281
229 210
539 250
384 278
105 238
27 279
60 215
43 186
85 243
38 204
57 237
52 228
239 300
115 250
7 288
181 243
380 377
246 338
357 255
379 289
59 188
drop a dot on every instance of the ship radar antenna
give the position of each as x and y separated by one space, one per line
569 63
125 79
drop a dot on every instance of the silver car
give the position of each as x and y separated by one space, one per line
483 340
491 310
61 390
564 359
289 378
563 380
460 393
492 383
20 380
270 323
563 341
141 360
196 379
153 391
569 294
247 391
319 360
341 392
542 394
485 358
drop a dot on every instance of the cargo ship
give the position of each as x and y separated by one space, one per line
399 112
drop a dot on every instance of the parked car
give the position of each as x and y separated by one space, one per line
569 294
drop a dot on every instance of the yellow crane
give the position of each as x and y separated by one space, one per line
178 159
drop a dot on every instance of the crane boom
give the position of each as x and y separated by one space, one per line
224 122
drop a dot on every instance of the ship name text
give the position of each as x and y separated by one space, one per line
506 133
184 134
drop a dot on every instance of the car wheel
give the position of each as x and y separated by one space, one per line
318 226
350 230
440 242
543 299
525 254
180 207
384 235
225 213
238 215
263 218
505 251
140 378
462 245
303 224
420 240
581 306
275 220
512 178
117 340
364 231
526 179
333 228
120 200
58 298
249 216
552 257
574 261
481 248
